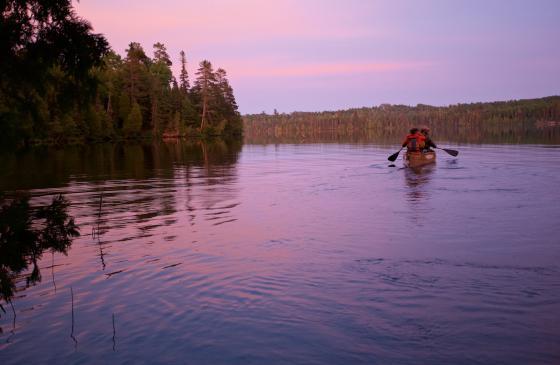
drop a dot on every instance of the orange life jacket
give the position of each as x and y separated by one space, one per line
414 142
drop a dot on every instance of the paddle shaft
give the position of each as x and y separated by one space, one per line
449 151
394 156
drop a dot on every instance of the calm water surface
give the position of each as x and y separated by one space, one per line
292 254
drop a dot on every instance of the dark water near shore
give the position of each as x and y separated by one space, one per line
292 254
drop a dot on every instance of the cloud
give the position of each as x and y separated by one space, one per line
245 70
215 22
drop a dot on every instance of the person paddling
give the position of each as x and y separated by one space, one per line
428 143
414 141
417 141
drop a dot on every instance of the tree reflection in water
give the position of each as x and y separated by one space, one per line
25 234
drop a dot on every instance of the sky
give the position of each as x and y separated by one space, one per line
314 55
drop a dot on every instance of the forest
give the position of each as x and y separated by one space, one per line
516 121
61 83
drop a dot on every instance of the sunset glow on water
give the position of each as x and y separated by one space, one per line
295 254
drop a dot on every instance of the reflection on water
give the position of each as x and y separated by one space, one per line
416 179
25 234
53 167
318 254
418 193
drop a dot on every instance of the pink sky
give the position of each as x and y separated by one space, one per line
324 54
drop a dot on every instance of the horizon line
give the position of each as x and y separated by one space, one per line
406 105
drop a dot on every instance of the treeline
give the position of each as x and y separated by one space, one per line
59 82
139 94
519 121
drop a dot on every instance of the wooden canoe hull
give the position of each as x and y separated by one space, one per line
417 159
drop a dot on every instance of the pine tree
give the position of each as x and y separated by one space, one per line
133 123
160 95
184 84
227 105
160 54
136 63
123 107
37 37
205 84
136 78
108 90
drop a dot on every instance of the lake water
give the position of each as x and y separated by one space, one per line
291 254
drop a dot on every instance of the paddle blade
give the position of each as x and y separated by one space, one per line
451 152
394 156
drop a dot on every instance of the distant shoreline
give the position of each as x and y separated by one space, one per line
516 121
382 105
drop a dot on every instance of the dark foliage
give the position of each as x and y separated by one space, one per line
59 82
25 233
47 55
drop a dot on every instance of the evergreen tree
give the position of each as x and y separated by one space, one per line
93 122
133 123
204 86
184 84
227 105
161 77
37 37
136 78
60 82
109 87
161 55
123 108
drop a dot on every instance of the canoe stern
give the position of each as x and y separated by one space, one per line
417 159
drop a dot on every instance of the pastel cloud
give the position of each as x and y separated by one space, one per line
218 23
322 69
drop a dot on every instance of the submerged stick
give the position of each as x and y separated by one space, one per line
95 230
72 333
13 331
52 271
100 204
13 310
114 333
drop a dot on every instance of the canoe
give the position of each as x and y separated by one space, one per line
417 159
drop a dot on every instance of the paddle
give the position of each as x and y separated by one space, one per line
394 156
451 152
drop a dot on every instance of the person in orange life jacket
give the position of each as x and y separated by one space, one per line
428 143
414 141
